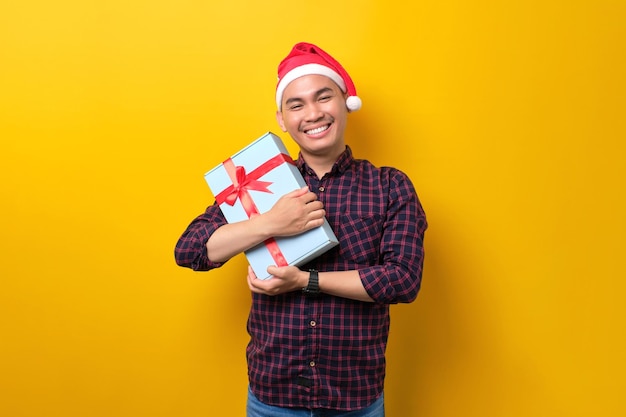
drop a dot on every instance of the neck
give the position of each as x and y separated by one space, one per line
321 163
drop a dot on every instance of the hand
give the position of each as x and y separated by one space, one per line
284 279
295 213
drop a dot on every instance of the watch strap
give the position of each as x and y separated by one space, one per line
313 287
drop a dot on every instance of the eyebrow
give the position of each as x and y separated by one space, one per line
317 94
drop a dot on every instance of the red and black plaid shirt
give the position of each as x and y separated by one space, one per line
329 352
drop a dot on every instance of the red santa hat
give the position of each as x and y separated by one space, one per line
308 59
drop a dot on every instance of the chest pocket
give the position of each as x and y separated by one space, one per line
360 236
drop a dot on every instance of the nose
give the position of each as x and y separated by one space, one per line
314 112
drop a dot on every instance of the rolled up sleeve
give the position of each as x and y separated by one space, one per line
190 250
398 277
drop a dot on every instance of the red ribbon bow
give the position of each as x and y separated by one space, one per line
242 183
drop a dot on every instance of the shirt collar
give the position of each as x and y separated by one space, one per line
341 164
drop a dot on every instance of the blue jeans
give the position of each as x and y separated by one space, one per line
256 408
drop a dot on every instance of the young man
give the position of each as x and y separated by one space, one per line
319 332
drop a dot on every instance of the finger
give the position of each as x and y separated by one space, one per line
312 224
254 283
315 207
297 193
251 272
269 286
250 278
308 197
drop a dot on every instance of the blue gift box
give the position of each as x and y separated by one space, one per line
250 182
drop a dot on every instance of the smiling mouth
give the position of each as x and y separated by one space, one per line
317 130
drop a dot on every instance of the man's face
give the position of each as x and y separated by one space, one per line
314 113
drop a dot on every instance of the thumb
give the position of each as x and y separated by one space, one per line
272 270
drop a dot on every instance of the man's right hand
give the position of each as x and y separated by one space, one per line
295 213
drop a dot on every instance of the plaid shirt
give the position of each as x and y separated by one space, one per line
329 352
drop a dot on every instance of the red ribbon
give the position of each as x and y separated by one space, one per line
242 183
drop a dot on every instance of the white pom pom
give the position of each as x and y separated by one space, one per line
353 103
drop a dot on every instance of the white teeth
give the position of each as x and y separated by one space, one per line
317 130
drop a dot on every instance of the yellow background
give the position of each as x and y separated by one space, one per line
507 115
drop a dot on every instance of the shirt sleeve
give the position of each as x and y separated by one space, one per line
397 279
190 251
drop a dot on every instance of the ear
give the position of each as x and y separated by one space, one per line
279 119
345 100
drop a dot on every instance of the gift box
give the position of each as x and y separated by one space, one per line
249 183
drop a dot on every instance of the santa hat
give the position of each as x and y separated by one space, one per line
308 59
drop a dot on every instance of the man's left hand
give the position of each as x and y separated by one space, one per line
284 279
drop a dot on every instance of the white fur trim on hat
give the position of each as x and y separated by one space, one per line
301 71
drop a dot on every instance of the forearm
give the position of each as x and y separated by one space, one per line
346 284
233 238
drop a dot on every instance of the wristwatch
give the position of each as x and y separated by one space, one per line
313 288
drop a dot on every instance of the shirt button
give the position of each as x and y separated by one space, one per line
312 364
321 189
313 323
